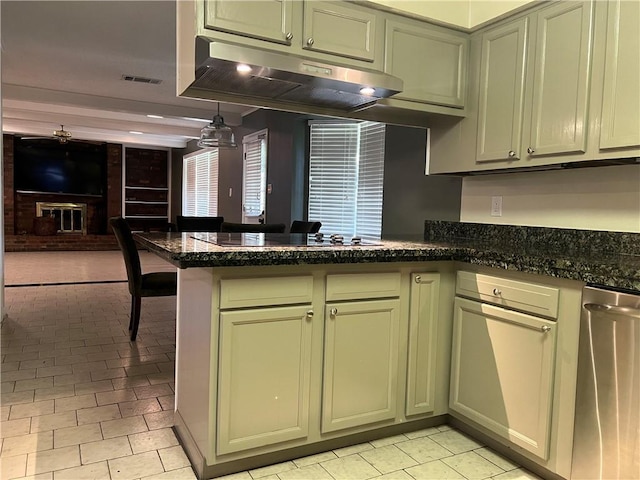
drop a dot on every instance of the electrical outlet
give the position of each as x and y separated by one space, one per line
496 206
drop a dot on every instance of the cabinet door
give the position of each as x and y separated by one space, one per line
264 368
560 88
340 29
360 363
265 19
502 372
502 92
621 96
431 62
423 332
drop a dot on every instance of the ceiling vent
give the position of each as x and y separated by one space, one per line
133 78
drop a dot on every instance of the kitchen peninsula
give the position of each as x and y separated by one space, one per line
285 351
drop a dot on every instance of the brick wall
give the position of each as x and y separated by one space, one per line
7 154
19 208
31 243
114 181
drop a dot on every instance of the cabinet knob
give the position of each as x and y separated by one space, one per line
310 314
545 328
418 278
310 41
497 292
333 312
531 150
289 36
512 154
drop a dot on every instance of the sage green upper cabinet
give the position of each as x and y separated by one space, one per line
337 32
340 29
432 62
502 77
533 93
269 20
561 79
621 92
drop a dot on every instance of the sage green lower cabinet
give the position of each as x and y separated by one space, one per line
277 360
360 363
264 375
423 336
502 372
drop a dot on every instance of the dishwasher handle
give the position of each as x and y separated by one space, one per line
613 309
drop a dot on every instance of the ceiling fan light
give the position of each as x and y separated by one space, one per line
62 135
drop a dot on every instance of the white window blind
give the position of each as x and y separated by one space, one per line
254 175
370 180
346 169
200 183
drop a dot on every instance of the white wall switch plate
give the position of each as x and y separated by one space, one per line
496 206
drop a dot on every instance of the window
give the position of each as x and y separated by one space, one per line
200 183
346 171
254 176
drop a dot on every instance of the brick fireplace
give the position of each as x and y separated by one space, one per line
20 209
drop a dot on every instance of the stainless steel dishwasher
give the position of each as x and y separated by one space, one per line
607 426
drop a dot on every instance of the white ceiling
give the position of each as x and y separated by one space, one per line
63 62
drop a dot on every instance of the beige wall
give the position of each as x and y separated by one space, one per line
600 198
464 13
453 12
482 10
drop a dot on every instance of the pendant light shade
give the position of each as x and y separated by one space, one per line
217 134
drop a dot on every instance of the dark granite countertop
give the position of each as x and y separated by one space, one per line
620 270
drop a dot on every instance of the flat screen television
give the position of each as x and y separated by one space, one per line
46 166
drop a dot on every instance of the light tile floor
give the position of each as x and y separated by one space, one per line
79 401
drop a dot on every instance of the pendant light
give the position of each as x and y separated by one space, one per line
217 134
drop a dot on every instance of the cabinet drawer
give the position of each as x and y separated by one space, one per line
524 296
257 292
363 285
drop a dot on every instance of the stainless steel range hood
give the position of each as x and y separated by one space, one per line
285 81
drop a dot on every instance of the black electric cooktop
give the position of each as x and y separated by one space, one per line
275 240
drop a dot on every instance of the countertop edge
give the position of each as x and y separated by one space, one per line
587 270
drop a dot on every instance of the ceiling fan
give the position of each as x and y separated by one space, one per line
62 135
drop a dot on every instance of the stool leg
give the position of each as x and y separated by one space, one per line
135 317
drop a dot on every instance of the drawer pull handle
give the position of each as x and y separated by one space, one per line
418 278
333 312
497 292
309 314
545 328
